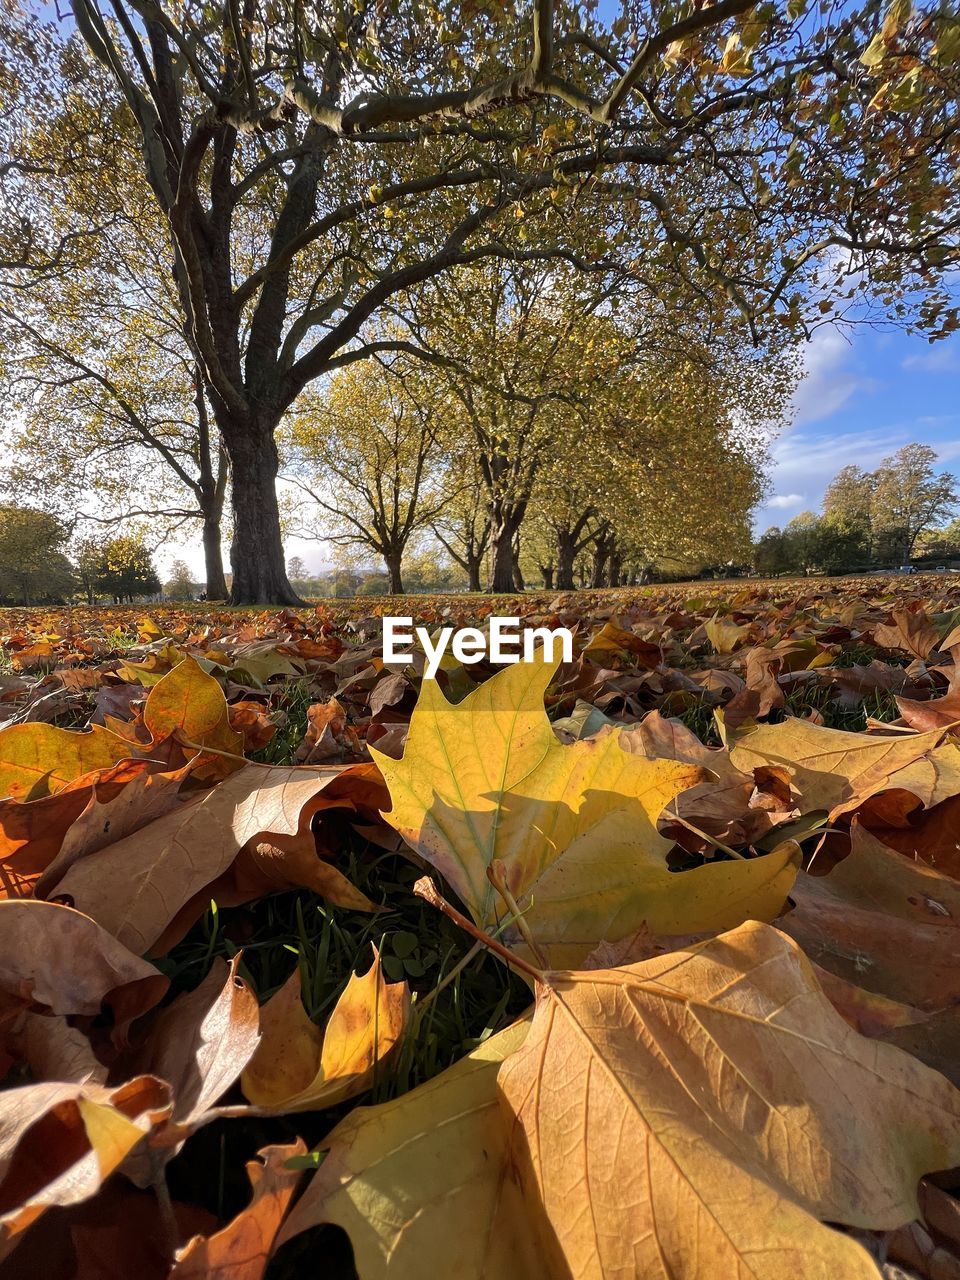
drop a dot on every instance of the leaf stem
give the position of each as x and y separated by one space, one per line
497 875
426 889
423 1005
717 844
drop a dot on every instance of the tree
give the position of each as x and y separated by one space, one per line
179 586
125 569
86 554
911 497
803 542
770 553
310 165
296 569
113 418
368 453
463 526
33 566
520 350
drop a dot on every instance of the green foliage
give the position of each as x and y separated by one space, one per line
33 567
179 586
124 568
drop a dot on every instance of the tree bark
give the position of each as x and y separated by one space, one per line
216 583
504 526
473 574
256 556
546 572
393 561
599 563
566 557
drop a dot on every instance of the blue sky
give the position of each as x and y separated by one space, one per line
865 395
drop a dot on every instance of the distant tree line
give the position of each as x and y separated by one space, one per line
871 519
38 567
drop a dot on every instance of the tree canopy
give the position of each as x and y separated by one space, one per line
739 168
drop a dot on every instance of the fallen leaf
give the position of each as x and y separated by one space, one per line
242 1249
829 767
725 636
202 1041
909 630
428 1175
883 922
53 956
574 825
136 887
32 831
60 1142
299 1067
190 703
111 813
38 759
51 1048
655 1102
930 836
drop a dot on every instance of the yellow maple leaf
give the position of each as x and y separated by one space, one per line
574 826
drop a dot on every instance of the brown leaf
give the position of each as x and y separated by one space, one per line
202 1041
882 922
112 813
53 956
60 1142
908 629
252 720
301 1067
242 1249
655 1102
52 1049
936 713
136 887
32 831
830 768
329 737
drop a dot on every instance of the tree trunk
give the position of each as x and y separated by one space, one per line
546 572
566 556
256 556
473 573
504 526
614 576
216 583
393 561
599 564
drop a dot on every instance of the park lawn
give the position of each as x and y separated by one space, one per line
306 687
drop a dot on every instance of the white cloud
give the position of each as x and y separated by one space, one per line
804 463
943 357
829 380
781 501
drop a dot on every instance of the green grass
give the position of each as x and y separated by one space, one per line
287 930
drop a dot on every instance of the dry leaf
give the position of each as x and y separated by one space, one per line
300 1067
60 1142
242 1249
883 922
136 887
574 826
655 1102
830 768
428 1176
53 956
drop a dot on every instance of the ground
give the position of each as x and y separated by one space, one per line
308 686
